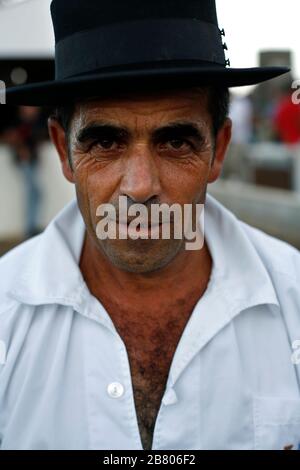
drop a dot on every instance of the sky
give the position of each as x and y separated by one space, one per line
250 26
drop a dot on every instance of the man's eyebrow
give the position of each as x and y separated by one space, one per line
186 129
177 129
94 130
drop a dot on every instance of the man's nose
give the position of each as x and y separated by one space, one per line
140 179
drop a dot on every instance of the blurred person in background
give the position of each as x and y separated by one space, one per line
23 129
286 119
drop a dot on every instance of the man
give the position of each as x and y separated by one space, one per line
124 343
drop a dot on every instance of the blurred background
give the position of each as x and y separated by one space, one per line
260 181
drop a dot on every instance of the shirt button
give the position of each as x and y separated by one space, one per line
115 390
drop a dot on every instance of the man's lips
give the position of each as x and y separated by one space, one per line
142 225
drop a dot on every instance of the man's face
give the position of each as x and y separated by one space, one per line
155 148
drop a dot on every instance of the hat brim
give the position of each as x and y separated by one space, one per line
105 83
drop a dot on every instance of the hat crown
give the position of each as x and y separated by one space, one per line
72 16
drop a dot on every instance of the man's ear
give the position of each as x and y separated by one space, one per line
221 145
59 139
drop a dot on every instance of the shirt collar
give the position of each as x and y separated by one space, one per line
238 270
53 274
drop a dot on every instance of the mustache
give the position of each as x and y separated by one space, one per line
142 221
143 211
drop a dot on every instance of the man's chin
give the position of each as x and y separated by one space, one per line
140 256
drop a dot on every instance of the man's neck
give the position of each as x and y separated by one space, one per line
186 276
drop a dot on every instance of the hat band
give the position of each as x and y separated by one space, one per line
138 42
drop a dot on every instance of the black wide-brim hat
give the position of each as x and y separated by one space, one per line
102 47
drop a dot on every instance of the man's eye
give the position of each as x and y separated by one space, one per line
105 144
177 144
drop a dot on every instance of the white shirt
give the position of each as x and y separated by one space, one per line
65 381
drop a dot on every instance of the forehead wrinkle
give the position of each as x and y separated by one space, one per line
132 111
167 115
